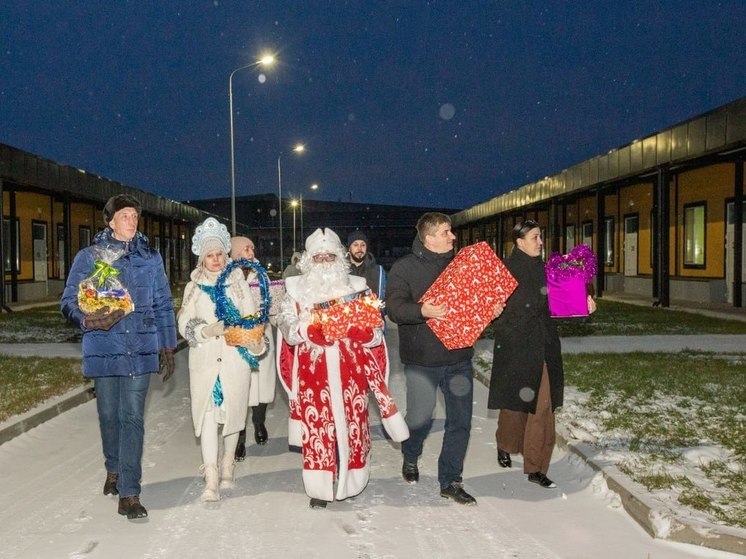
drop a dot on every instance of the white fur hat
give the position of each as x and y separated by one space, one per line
211 230
323 241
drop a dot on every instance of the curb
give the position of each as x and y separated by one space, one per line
658 521
20 424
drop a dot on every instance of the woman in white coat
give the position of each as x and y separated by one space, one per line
264 380
219 376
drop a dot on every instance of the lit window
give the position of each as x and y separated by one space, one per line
694 235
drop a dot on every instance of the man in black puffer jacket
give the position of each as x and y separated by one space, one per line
428 364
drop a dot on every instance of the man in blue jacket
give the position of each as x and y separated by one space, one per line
120 350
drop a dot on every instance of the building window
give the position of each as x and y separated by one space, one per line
609 241
84 237
6 247
694 235
588 234
569 238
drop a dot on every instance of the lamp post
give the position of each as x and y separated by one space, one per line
312 187
294 204
266 60
297 149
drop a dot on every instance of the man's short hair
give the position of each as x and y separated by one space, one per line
429 222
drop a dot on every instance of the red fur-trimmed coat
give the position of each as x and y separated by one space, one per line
328 390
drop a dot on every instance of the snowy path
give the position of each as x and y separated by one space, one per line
52 506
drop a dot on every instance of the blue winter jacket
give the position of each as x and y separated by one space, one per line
132 345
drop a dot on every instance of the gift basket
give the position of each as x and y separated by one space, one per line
567 277
102 287
361 309
244 337
243 331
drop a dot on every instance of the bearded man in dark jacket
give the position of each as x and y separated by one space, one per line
120 351
428 364
363 263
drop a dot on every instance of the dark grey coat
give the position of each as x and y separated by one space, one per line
525 338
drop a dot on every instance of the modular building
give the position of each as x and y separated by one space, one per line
664 214
50 211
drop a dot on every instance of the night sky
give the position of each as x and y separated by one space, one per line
441 103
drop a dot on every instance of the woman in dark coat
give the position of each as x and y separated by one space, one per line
527 382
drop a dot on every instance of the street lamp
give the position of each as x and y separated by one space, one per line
312 187
294 204
300 148
266 60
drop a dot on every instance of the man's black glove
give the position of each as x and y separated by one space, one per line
166 363
102 319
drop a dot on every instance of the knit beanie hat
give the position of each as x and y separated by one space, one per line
210 244
237 245
356 236
119 202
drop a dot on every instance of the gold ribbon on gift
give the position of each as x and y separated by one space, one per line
103 271
346 299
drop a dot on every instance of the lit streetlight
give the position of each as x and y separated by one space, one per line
266 60
300 148
294 204
312 187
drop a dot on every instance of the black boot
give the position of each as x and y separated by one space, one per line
317 503
410 472
503 458
241 446
260 433
541 479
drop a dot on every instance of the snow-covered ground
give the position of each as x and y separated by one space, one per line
584 424
52 506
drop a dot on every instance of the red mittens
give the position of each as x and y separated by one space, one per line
316 335
360 335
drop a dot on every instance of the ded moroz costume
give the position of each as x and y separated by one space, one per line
327 365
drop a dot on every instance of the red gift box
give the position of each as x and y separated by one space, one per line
471 285
567 297
361 309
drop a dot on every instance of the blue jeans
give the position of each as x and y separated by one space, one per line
456 383
121 409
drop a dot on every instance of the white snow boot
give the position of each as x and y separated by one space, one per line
226 472
211 492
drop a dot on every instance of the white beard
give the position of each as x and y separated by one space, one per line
325 281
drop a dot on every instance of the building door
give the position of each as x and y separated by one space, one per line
630 245
730 247
39 235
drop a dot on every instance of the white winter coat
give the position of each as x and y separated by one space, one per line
263 381
210 357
